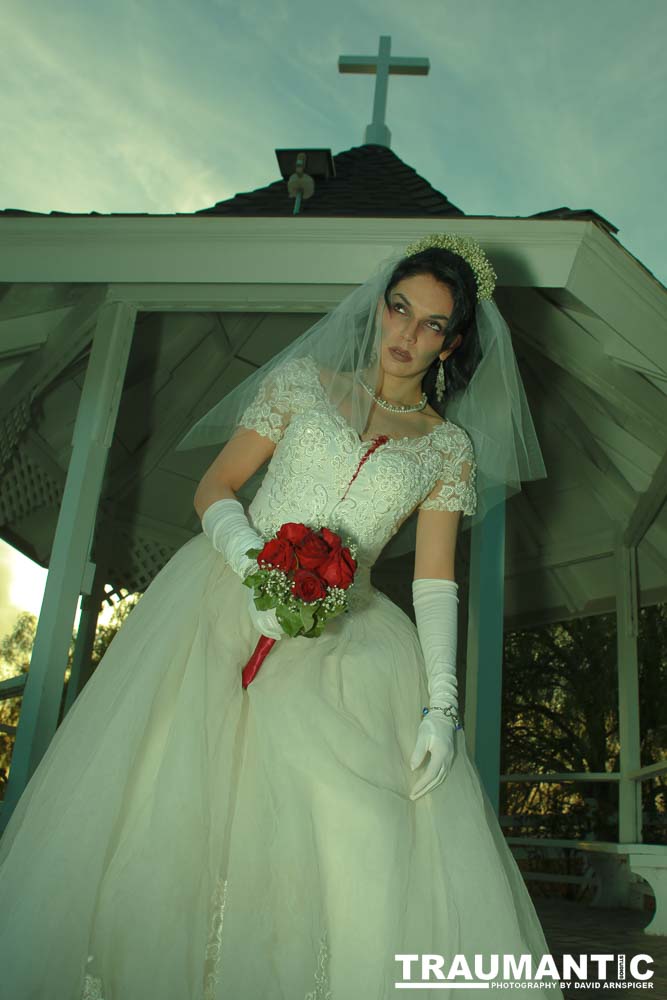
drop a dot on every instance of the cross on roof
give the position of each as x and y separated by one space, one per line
382 65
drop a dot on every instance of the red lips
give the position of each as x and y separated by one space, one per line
403 354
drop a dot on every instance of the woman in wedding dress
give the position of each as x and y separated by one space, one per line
190 839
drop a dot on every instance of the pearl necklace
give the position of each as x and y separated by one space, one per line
395 407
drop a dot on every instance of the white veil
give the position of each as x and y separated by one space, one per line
346 344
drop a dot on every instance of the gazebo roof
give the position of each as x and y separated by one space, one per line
370 181
584 315
180 308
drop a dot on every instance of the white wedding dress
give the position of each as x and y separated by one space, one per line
185 839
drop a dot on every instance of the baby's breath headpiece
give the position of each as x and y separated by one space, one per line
465 247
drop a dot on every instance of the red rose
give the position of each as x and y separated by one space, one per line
308 586
279 553
293 531
312 551
338 570
331 538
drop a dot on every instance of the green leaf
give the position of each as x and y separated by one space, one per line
317 629
307 613
335 613
290 620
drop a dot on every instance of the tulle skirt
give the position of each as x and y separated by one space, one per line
186 839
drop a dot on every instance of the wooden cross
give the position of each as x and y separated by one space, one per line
382 65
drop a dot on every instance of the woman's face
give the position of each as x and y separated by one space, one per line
416 322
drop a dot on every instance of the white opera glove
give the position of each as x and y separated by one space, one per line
436 605
264 621
226 526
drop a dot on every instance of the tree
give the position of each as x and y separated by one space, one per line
15 653
560 711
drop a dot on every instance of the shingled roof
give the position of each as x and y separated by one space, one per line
373 182
370 181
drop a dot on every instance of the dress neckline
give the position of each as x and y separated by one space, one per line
366 441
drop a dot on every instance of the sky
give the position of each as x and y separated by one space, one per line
160 107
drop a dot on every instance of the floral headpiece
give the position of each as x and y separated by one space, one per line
465 247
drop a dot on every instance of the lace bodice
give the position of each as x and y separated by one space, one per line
317 453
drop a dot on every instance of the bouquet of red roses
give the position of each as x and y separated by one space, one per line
305 575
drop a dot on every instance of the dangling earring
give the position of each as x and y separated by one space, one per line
440 382
373 357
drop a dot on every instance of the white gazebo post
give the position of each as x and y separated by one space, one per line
382 65
629 789
69 563
484 661
92 595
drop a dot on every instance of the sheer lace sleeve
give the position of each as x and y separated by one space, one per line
279 396
455 487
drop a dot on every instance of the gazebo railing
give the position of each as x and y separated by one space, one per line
612 862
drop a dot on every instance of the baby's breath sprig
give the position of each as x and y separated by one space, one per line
274 583
335 599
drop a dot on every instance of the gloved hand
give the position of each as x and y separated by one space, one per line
435 603
227 527
264 621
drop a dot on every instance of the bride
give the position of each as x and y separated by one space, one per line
185 836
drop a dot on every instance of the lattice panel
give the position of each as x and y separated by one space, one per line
12 427
138 561
24 488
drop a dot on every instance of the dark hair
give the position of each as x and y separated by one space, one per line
456 273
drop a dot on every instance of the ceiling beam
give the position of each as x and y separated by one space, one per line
560 338
43 455
611 488
553 614
622 293
231 297
648 506
559 554
563 575
622 354
202 371
27 331
71 336
645 352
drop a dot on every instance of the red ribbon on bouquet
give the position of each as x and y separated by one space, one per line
262 649
265 643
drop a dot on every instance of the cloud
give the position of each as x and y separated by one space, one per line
163 107
77 141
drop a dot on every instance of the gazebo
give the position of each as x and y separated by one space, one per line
118 331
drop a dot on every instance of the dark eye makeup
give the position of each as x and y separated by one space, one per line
396 305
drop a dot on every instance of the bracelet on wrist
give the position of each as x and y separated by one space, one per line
447 710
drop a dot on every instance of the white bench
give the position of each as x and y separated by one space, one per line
612 864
